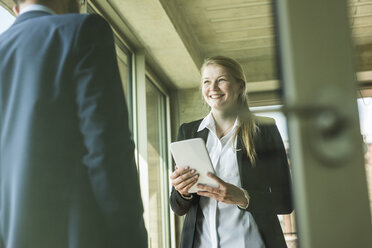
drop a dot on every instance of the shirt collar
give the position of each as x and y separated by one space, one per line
208 122
37 7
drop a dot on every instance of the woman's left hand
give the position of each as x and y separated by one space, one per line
226 192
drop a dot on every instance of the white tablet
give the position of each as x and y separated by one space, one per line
193 153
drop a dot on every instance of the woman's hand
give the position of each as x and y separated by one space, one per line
183 179
226 192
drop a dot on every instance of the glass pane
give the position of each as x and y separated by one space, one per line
124 62
124 71
6 19
361 32
365 117
155 152
360 21
287 222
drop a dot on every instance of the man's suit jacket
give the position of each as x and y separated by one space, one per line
267 182
67 172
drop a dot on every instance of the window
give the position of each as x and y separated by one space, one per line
157 161
365 118
124 58
6 19
286 221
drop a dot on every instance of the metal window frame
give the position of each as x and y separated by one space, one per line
166 158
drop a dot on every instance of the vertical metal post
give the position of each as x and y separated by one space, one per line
140 130
330 187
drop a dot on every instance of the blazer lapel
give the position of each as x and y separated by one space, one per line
239 156
243 168
202 134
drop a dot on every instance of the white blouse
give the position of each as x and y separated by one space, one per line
224 225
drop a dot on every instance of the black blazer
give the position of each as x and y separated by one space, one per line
67 172
268 184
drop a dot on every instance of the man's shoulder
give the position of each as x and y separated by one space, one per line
77 19
84 28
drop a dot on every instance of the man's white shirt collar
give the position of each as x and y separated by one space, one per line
37 7
208 122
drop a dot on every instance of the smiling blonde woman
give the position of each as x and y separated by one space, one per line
250 164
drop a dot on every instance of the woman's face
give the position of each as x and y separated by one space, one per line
220 90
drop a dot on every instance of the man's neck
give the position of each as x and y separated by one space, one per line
37 7
24 6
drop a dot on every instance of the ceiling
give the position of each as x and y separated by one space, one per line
241 29
244 29
177 35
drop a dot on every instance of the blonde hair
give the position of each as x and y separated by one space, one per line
247 124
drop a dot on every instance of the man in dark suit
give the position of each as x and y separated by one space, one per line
67 171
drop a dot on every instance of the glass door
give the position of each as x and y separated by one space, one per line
157 166
317 62
124 59
6 19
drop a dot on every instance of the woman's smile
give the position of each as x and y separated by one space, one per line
220 89
216 96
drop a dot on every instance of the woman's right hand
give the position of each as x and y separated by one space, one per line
183 179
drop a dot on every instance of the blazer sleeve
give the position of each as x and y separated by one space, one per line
103 118
180 205
276 197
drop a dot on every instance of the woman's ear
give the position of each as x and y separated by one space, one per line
242 86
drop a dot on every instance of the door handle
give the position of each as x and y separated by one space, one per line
329 131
